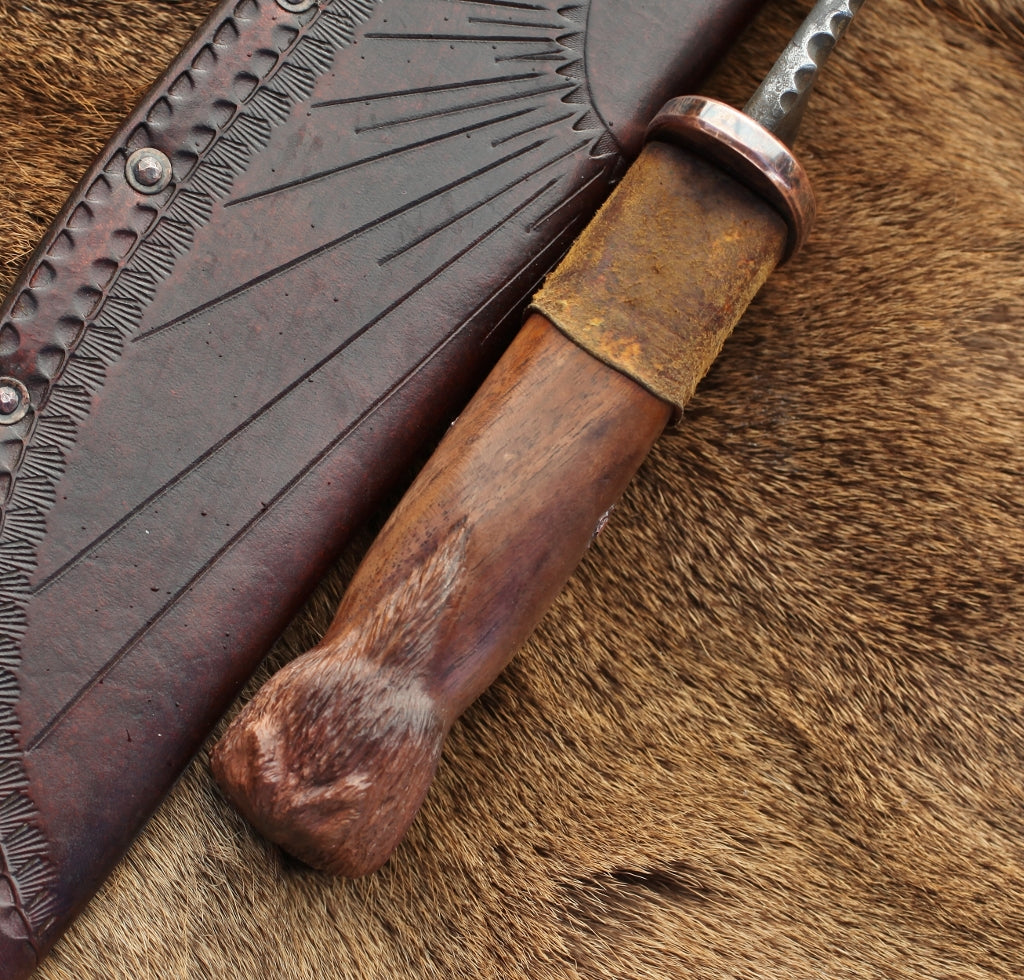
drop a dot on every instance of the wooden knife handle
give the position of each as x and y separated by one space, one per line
333 757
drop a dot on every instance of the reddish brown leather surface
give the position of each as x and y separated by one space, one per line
227 375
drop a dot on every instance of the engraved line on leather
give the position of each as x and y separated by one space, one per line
465 107
53 431
305 377
557 244
513 4
470 38
536 223
580 191
384 155
550 54
340 240
427 89
440 226
556 247
532 128
511 23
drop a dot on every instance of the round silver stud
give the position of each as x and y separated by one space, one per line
148 170
14 401
297 6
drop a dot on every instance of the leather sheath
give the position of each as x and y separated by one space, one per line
224 376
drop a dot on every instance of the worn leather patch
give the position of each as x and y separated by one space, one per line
657 282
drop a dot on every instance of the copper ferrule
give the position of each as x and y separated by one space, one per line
745 149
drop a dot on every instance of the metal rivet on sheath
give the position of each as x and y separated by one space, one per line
148 170
297 6
14 401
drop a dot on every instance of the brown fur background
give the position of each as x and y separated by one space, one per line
774 726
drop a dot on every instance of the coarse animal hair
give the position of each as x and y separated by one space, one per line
774 727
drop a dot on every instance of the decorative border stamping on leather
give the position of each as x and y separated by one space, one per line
74 366
155 234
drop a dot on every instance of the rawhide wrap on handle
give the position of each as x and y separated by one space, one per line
333 757
631 292
711 206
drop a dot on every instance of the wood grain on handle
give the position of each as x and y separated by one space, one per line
333 757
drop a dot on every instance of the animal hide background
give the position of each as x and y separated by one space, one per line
774 726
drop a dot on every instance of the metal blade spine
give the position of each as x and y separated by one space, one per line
779 102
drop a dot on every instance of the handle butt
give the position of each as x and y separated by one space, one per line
341 797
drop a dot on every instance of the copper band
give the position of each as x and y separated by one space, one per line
747 151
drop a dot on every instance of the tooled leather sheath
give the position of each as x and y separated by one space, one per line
223 376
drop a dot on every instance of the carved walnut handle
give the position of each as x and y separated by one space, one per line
333 757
